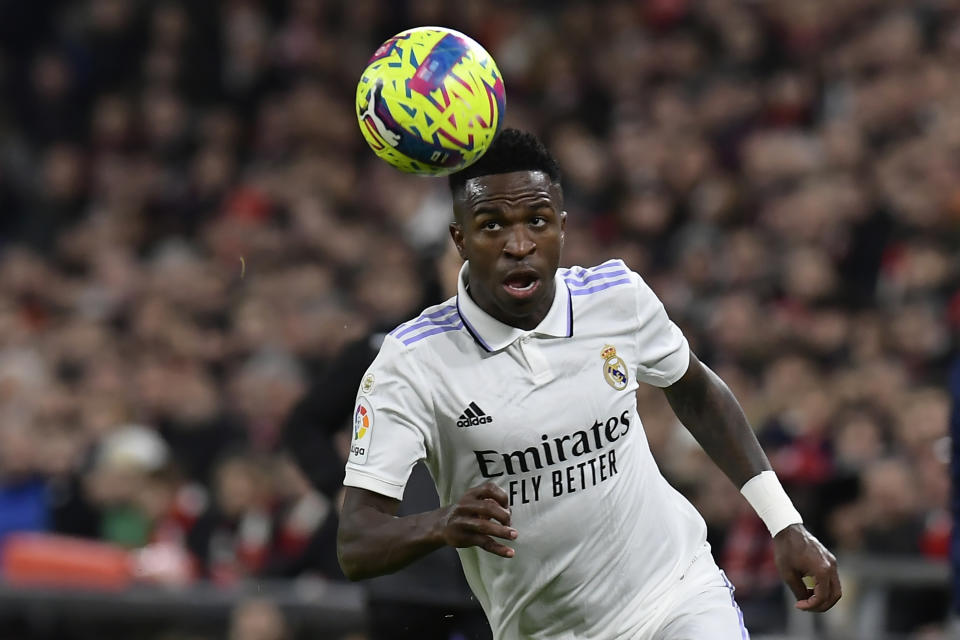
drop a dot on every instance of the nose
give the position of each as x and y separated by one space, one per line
519 244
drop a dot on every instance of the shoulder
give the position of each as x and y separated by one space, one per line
406 352
608 276
438 320
610 288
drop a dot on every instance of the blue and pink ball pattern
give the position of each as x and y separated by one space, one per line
430 101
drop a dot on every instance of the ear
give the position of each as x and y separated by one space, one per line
456 233
563 226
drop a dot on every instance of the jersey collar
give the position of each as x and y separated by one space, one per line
493 335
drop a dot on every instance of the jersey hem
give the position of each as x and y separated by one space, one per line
361 480
677 372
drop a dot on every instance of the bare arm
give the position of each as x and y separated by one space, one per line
710 412
372 541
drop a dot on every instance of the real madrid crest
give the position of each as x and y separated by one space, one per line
614 368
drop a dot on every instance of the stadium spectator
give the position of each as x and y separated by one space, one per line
23 500
263 521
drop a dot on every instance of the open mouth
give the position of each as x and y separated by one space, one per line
521 285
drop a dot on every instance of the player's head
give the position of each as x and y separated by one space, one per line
509 224
512 150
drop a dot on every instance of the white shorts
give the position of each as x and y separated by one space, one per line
710 613
701 607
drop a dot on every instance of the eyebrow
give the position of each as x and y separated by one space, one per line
536 202
486 210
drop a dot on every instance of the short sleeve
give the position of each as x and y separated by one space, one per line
664 352
390 418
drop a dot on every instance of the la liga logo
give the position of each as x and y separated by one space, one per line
362 431
361 420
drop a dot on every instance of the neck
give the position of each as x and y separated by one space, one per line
527 318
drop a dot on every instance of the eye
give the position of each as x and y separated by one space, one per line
490 225
538 221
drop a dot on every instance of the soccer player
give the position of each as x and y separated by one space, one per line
519 393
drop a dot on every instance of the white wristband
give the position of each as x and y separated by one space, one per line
767 497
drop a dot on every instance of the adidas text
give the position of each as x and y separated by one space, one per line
472 422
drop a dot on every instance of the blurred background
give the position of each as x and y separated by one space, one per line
193 237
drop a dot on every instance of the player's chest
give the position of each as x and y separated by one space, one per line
535 389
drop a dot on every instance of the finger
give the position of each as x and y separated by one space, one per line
810 598
830 592
490 490
831 586
826 591
492 546
837 589
498 513
795 582
816 601
488 528
485 508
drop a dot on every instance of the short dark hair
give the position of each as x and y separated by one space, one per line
511 150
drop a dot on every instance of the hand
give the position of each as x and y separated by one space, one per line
481 515
797 554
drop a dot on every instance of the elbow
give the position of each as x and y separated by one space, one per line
351 569
351 562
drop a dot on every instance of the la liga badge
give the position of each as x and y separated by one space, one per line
362 431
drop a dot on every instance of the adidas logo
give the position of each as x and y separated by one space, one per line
472 416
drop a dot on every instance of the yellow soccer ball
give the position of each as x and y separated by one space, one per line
430 101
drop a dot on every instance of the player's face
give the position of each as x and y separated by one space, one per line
510 227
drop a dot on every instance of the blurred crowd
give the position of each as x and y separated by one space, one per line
191 230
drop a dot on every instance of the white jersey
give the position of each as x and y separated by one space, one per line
549 415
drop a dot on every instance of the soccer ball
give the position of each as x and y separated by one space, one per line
430 101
